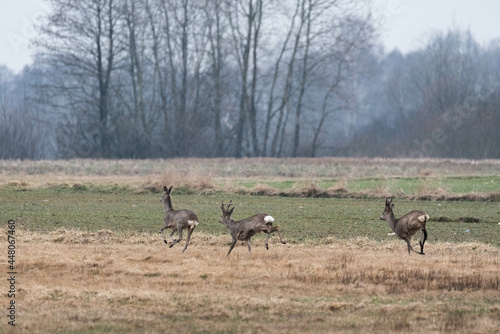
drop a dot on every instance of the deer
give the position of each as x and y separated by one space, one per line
406 226
245 229
177 220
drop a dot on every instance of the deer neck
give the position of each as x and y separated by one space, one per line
391 220
230 223
168 204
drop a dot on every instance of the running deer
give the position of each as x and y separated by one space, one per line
177 220
246 228
406 226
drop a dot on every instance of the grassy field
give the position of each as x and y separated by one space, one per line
303 219
90 258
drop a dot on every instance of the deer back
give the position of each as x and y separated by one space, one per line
180 217
176 218
412 222
248 227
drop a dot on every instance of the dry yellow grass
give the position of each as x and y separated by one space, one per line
207 172
72 281
351 177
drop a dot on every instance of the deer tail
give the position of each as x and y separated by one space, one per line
424 218
193 223
268 219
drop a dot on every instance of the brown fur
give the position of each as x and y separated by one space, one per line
246 228
177 220
406 226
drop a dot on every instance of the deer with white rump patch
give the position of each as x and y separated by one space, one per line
177 220
246 228
406 226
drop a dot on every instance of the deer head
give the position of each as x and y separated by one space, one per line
388 208
226 213
166 194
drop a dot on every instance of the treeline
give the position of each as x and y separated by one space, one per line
214 78
440 101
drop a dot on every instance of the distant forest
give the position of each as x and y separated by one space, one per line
225 78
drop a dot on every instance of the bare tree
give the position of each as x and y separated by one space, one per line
319 42
337 77
159 78
282 110
160 71
306 17
243 34
21 136
272 96
214 16
184 30
175 30
79 39
252 112
333 35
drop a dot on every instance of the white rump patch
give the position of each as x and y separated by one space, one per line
192 222
268 219
423 218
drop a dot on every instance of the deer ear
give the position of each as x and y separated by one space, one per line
165 188
230 212
392 206
170 190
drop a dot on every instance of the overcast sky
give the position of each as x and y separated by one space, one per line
406 24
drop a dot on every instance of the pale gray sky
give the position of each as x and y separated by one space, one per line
16 30
406 24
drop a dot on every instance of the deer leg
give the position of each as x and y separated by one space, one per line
248 243
423 242
232 246
277 229
410 248
171 237
163 234
190 230
177 240
267 239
